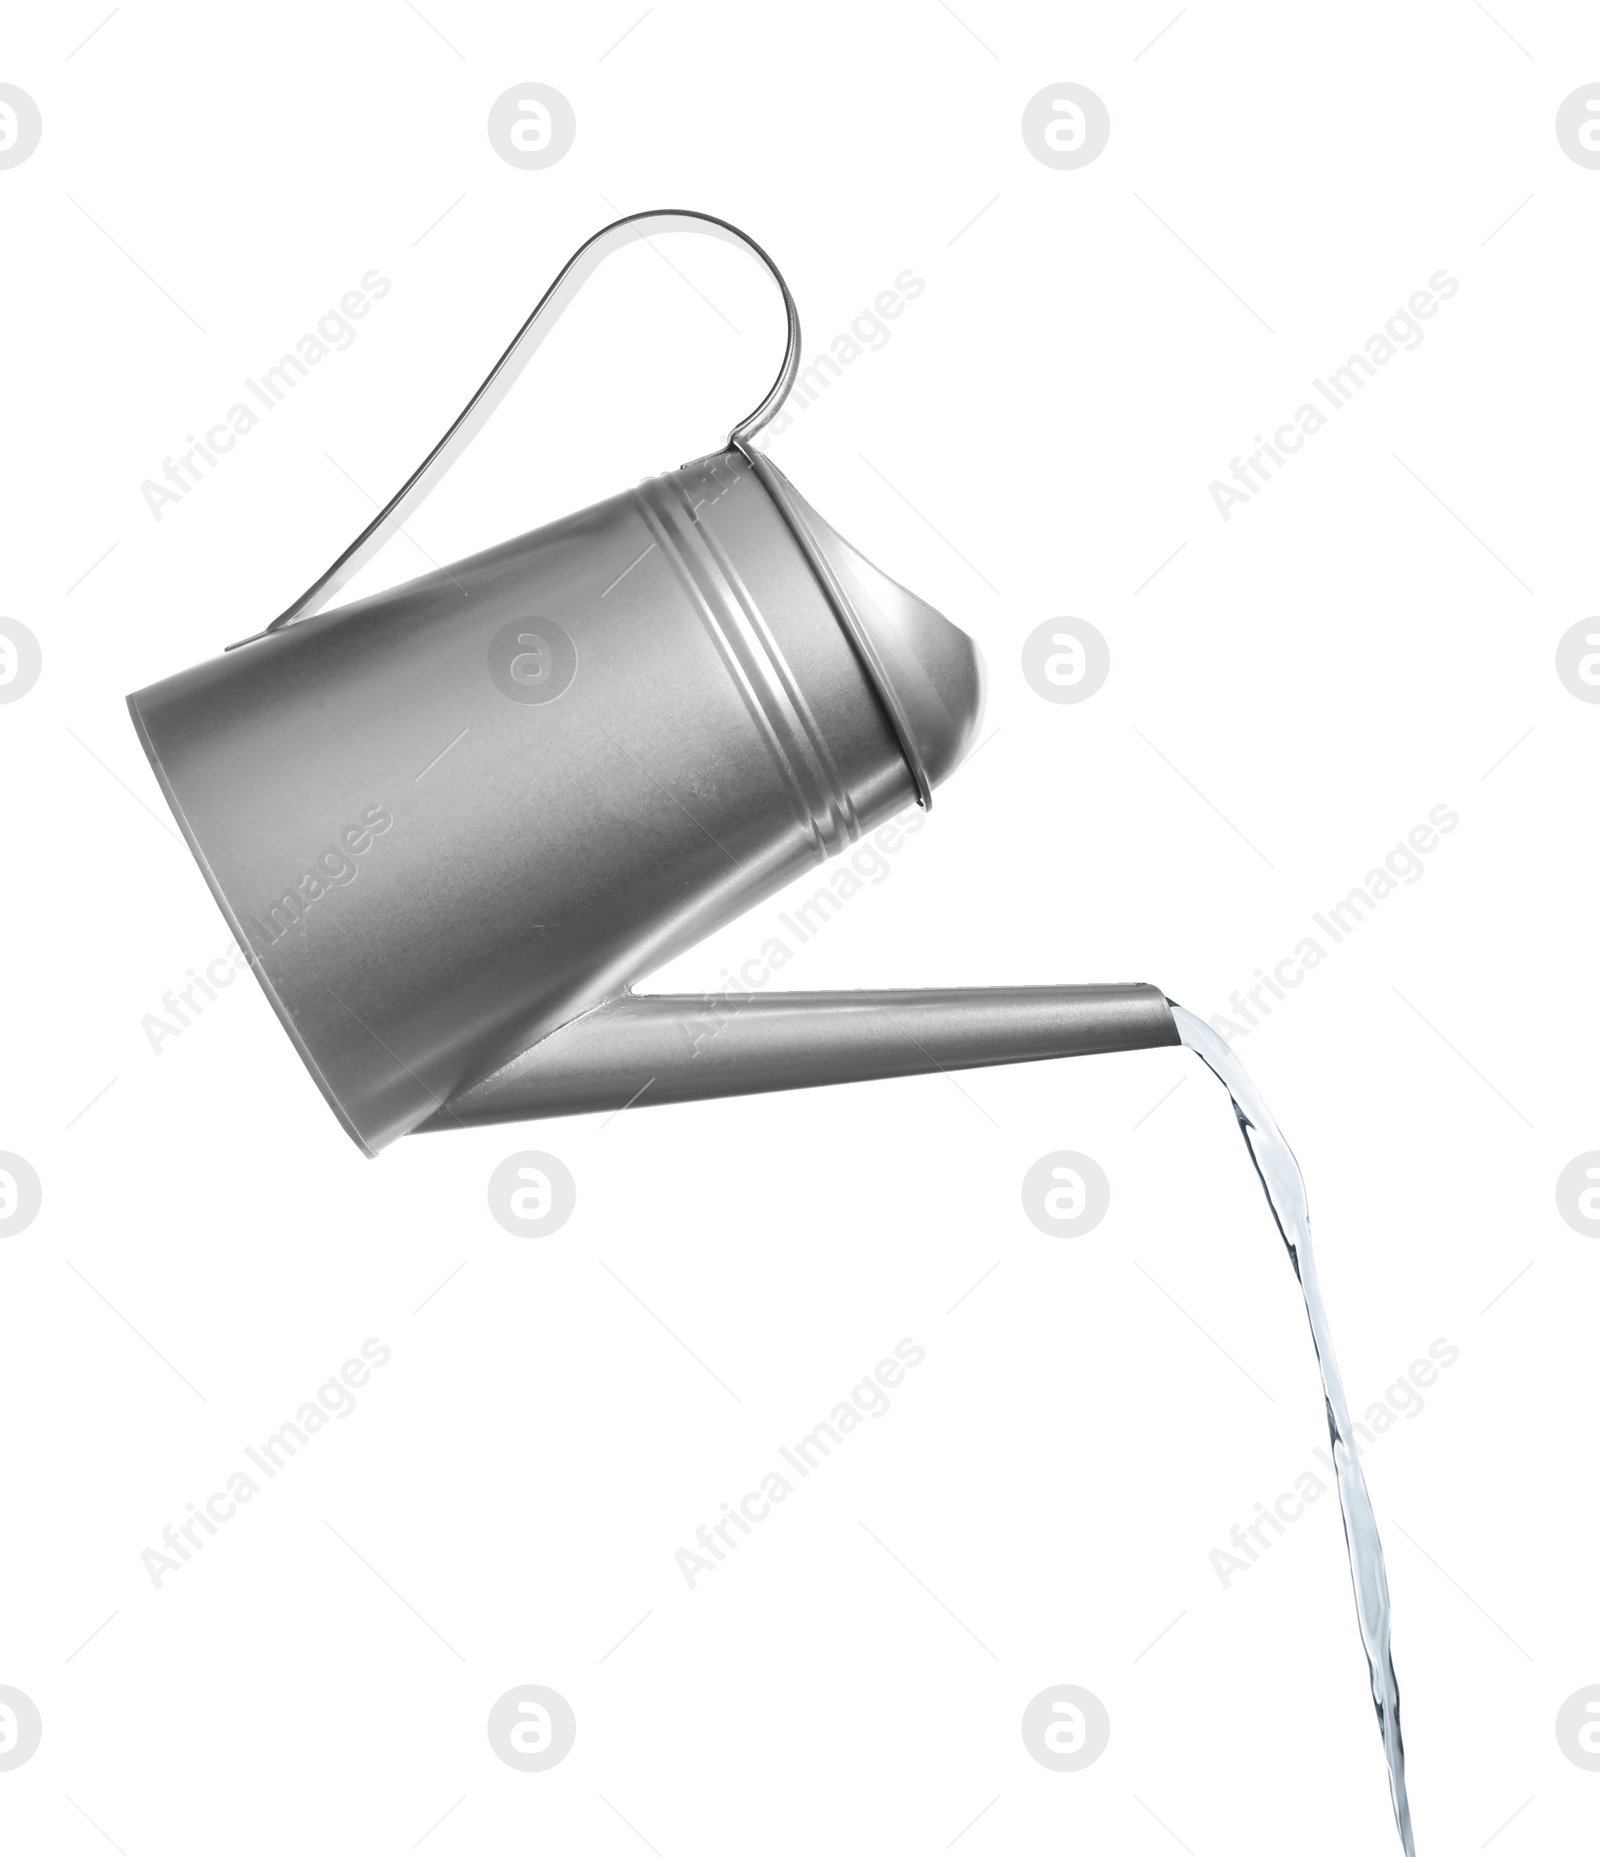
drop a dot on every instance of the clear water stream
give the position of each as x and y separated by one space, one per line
1285 1189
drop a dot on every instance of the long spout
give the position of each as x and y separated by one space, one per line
640 1049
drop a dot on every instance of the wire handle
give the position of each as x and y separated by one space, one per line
571 278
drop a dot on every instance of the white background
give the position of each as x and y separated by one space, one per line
1361 642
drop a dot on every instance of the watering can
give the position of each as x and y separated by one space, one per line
452 825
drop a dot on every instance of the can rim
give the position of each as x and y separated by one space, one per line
779 490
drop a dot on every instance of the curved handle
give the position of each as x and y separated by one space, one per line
574 273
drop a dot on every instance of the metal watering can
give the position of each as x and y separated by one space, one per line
452 824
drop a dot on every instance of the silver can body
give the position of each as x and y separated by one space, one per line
444 820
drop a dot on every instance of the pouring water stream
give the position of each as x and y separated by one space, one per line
1285 1189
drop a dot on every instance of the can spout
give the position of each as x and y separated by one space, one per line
637 1050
